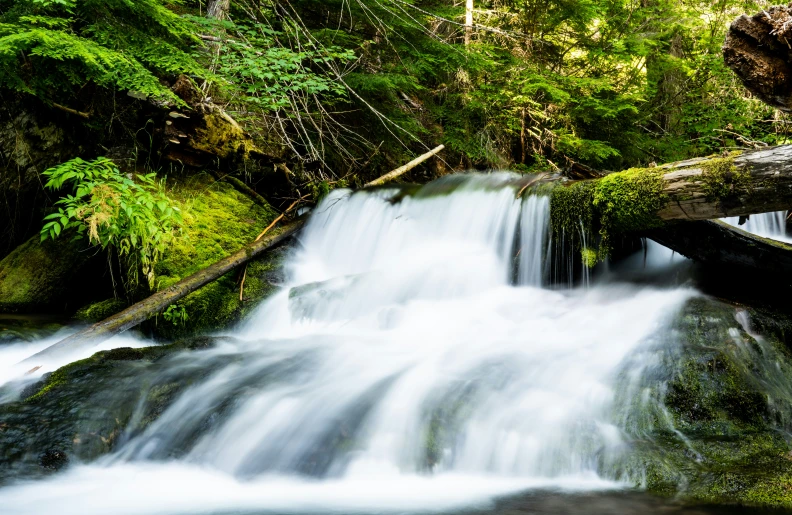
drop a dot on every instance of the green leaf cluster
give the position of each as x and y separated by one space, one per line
257 69
133 215
52 49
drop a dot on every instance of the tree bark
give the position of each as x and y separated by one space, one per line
758 49
706 188
218 9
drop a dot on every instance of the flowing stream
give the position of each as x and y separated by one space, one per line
410 363
767 225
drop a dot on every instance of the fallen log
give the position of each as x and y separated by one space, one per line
635 200
157 302
403 169
716 243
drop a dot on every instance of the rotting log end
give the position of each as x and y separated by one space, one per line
757 48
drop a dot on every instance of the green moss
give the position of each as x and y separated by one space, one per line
773 491
572 208
36 275
721 179
618 203
98 311
589 257
629 200
218 220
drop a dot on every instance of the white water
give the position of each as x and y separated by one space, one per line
13 369
399 369
767 225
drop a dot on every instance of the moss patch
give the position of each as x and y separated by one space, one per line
618 203
721 179
98 311
38 275
218 220
589 257
572 207
629 200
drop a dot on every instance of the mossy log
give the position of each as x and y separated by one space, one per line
697 189
154 304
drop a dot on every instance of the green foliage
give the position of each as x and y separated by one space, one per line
135 217
176 314
261 72
53 48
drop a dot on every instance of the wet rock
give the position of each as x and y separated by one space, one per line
81 411
721 405
53 459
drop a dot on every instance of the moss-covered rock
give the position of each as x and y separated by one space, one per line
98 311
80 411
723 408
218 220
44 276
25 328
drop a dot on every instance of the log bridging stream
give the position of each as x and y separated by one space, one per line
696 189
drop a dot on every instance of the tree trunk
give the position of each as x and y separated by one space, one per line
468 21
218 9
754 182
697 189
758 49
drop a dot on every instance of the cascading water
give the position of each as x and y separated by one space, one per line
401 367
767 225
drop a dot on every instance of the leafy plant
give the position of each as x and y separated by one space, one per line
176 314
268 75
53 48
134 216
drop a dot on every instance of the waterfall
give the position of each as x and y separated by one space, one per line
405 364
534 227
767 225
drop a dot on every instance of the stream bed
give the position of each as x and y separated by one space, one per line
411 364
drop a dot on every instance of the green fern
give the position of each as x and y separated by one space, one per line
51 48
